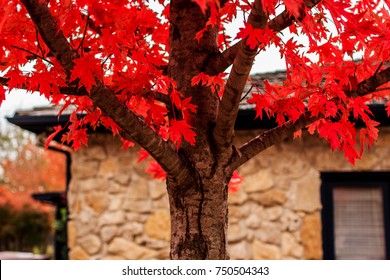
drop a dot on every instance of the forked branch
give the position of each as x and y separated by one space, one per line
222 61
228 108
370 84
270 138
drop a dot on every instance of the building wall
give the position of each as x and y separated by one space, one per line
118 212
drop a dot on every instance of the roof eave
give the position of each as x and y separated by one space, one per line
246 120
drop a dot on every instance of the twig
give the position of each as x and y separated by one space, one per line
246 94
39 45
379 68
84 34
105 60
32 53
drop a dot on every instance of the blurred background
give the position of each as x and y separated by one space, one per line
32 185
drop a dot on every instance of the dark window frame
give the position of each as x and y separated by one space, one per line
331 180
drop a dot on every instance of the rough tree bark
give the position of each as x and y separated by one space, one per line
199 219
198 207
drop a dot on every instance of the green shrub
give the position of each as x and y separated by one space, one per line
24 229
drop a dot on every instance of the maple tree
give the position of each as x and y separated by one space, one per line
159 79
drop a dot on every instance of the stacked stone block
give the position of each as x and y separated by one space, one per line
117 211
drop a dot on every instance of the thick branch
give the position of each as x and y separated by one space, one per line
51 35
133 127
91 24
222 61
370 84
269 138
135 130
228 109
284 19
4 81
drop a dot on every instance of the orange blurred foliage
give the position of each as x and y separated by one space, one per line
33 170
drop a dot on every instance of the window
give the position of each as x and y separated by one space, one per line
355 215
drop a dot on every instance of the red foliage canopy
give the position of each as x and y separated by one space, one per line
112 59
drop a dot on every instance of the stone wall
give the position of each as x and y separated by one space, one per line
118 212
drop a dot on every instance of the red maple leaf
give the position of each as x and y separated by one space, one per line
179 130
257 37
216 82
229 10
142 155
294 7
57 129
360 108
2 94
368 135
331 132
252 35
262 103
110 124
93 118
200 33
372 130
86 70
201 78
156 171
176 98
350 152
269 6
156 114
298 134
16 79
235 181
127 144
79 137
213 4
186 105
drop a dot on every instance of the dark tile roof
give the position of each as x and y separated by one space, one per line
257 81
42 119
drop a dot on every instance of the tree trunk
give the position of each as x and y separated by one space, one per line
199 207
199 218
